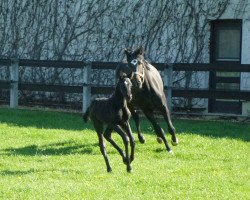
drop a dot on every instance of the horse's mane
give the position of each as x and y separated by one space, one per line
147 65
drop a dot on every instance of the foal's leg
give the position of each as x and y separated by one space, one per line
127 129
137 124
125 139
103 150
99 129
108 137
158 129
171 129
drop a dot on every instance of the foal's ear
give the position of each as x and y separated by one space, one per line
122 75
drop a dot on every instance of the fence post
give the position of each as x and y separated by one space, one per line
14 68
86 93
168 83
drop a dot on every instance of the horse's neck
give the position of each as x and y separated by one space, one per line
152 78
147 65
146 74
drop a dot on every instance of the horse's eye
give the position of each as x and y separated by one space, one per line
134 62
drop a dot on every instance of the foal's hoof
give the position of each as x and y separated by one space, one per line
159 140
175 143
124 160
142 140
109 170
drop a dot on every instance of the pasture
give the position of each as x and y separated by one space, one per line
54 155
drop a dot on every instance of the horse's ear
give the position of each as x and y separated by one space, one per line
127 52
140 51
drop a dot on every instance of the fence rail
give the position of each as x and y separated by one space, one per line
87 90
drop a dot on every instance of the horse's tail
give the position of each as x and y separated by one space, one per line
86 115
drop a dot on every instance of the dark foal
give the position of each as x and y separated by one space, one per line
114 113
148 94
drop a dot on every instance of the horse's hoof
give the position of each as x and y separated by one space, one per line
171 152
159 140
175 143
129 170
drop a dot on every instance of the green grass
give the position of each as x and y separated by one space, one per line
53 155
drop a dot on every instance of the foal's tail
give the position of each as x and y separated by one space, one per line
86 116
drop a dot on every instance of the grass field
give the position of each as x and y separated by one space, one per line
53 155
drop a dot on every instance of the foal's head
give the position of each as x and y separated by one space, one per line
136 64
124 85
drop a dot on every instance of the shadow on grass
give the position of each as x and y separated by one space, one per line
214 129
73 121
43 119
26 172
15 173
62 148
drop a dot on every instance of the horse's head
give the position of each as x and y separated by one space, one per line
125 87
135 61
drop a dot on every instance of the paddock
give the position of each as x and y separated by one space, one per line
53 155
19 90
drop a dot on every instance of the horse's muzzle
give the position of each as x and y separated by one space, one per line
138 79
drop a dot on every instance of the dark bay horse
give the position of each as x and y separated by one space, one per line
114 113
148 94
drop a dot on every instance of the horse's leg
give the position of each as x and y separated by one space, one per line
125 139
171 129
157 128
137 124
127 129
108 137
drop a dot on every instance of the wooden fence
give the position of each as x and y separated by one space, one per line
87 89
